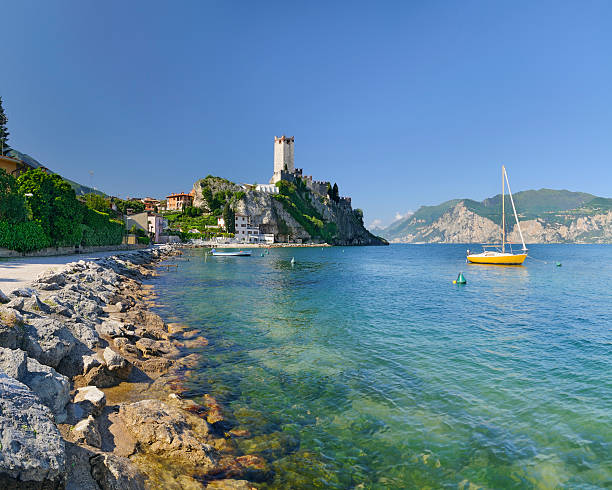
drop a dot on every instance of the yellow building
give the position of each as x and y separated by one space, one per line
13 166
179 201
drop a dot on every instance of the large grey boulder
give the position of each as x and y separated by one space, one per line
48 341
3 297
33 453
84 331
52 388
50 281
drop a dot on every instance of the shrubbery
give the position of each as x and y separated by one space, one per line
98 229
23 237
56 217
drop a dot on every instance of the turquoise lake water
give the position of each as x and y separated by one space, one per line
366 367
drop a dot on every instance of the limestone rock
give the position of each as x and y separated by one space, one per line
110 328
23 292
116 363
90 362
91 399
35 304
16 303
48 341
86 431
3 297
114 308
99 376
50 280
32 448
52 388
169 432
116 473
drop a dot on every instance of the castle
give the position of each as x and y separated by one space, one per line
284 168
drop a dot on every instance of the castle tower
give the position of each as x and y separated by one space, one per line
283 157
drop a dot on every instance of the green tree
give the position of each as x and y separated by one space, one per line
97 202
192 211
207 195
359 215
12 205
335 194
4 134
123 206
230 218
54 206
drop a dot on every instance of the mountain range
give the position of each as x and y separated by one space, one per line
546 216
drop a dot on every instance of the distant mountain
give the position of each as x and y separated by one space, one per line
546 216
78 188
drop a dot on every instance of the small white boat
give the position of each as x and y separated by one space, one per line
240 253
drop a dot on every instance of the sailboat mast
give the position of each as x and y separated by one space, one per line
503 212
514 209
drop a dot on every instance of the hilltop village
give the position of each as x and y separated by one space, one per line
291 208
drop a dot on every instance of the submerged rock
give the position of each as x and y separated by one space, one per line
32 449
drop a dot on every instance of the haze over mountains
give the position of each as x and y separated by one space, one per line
546 215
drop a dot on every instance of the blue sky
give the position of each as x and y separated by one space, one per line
402 103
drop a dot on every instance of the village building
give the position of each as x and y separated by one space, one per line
15 166
245 231
179 201
151 204
151 223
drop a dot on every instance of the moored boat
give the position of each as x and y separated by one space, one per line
500 256
240 253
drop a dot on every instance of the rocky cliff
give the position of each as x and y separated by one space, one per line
459 224
340 224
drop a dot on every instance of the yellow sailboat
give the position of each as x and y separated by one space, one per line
500 256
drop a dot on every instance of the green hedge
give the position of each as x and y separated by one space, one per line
144 240
98 229
23 237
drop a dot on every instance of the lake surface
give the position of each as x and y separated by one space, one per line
366 367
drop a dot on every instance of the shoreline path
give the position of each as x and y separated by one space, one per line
16 273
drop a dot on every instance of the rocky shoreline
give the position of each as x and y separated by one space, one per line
90 388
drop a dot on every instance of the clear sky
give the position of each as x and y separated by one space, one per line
402 103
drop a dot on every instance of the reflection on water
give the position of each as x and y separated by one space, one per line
367 366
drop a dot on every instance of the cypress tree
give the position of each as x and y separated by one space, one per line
335 193
4 134
229 218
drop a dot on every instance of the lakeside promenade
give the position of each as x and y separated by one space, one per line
16 273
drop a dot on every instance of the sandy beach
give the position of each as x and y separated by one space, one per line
19 272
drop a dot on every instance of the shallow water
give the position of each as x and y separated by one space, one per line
367 366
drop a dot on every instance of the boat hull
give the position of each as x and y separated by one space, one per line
497 259
231 254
